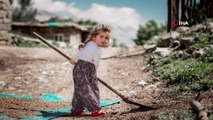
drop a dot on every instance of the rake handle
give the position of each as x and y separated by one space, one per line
52 46
126 99
70 59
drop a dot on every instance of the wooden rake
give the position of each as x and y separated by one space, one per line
124 98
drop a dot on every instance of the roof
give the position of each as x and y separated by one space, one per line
50 24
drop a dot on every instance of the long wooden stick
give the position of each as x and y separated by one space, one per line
126 99
199 109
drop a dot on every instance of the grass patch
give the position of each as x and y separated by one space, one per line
201 41
26 43
204 85
208 56
19 42
197 86
176 115
184 71
156 58
211 117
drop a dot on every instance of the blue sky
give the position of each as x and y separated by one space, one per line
148 9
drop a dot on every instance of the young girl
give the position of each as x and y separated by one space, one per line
86 91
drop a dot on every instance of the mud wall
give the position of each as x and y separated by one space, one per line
5 21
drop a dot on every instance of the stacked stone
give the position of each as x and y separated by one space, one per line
5 21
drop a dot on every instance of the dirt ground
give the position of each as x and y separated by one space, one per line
35 71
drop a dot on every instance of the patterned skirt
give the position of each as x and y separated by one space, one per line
86 91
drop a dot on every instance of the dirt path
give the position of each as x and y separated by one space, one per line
34 71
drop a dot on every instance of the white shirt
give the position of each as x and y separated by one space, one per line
90 53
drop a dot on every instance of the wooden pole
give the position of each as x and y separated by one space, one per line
126 99
199 109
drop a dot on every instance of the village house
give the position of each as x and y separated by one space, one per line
70 33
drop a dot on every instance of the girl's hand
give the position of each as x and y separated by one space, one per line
80 46
72 62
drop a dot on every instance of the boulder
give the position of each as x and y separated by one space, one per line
198 53
186 42
190 50
182 29
150 48
142 83
210 25
162 51
197 28
185 55
165 40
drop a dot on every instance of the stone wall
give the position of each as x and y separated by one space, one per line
5 21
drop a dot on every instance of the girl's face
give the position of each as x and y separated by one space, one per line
102 38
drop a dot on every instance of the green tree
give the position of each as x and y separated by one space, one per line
87 22
146 32
25 13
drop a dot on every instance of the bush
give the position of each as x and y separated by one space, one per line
201 41
211 117
19 42
204 85
208 56
155 58
181 89
184 71
147 32
87 22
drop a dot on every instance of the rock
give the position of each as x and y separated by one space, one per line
153 86
2 83
27 82
150 48
131 93
198 53
11 88
125 73
197 28
210 25
142 83
20 90
186 42
172 34
17 78
44 72
182 29
191 49
165 40
52 72
185 55
162 51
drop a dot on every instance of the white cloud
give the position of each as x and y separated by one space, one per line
125 21
15 4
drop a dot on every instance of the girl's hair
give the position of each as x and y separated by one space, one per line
95 31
